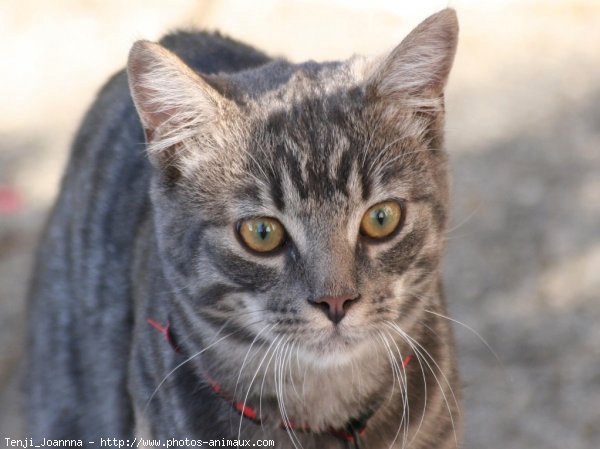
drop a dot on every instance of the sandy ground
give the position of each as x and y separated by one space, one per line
523 263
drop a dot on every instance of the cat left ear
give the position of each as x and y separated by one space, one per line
172 100
420 65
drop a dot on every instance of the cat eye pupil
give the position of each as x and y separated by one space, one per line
262 230
380 216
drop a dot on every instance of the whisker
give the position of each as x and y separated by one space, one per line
277 339
465 220
406 404
182 339
418 357
279 362
483 340
391 366
262 385
415 344
418 348
425 299
403 421
246 356
294 346
183 363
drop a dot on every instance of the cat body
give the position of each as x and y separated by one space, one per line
333 325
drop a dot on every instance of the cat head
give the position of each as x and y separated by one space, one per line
300 201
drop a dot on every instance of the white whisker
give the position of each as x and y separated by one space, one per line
252 382
247 354
419 349
477 334
181 364
405 402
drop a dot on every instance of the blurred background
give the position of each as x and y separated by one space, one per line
523 263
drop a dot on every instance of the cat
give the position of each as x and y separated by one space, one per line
249 248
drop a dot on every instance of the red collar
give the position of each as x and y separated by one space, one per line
354 429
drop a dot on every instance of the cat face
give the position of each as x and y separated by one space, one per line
300 201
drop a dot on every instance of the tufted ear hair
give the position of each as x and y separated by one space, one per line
174 103
420 64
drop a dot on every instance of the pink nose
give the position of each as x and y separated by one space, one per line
335 306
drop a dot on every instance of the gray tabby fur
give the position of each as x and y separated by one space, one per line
151 234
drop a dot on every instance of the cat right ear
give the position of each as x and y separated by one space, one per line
420 65
174 102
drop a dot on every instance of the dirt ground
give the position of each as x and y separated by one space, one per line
523 261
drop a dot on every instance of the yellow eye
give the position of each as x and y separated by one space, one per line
381 220
262 234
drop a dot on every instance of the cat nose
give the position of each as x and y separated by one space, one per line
334 306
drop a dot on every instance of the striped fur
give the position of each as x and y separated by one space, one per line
231 134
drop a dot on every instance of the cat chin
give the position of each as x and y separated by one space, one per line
335 350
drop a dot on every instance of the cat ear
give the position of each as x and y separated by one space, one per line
173 102
420 65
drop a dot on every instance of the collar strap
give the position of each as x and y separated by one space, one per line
354 429
167 333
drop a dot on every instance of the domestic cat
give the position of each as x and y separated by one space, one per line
265 266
